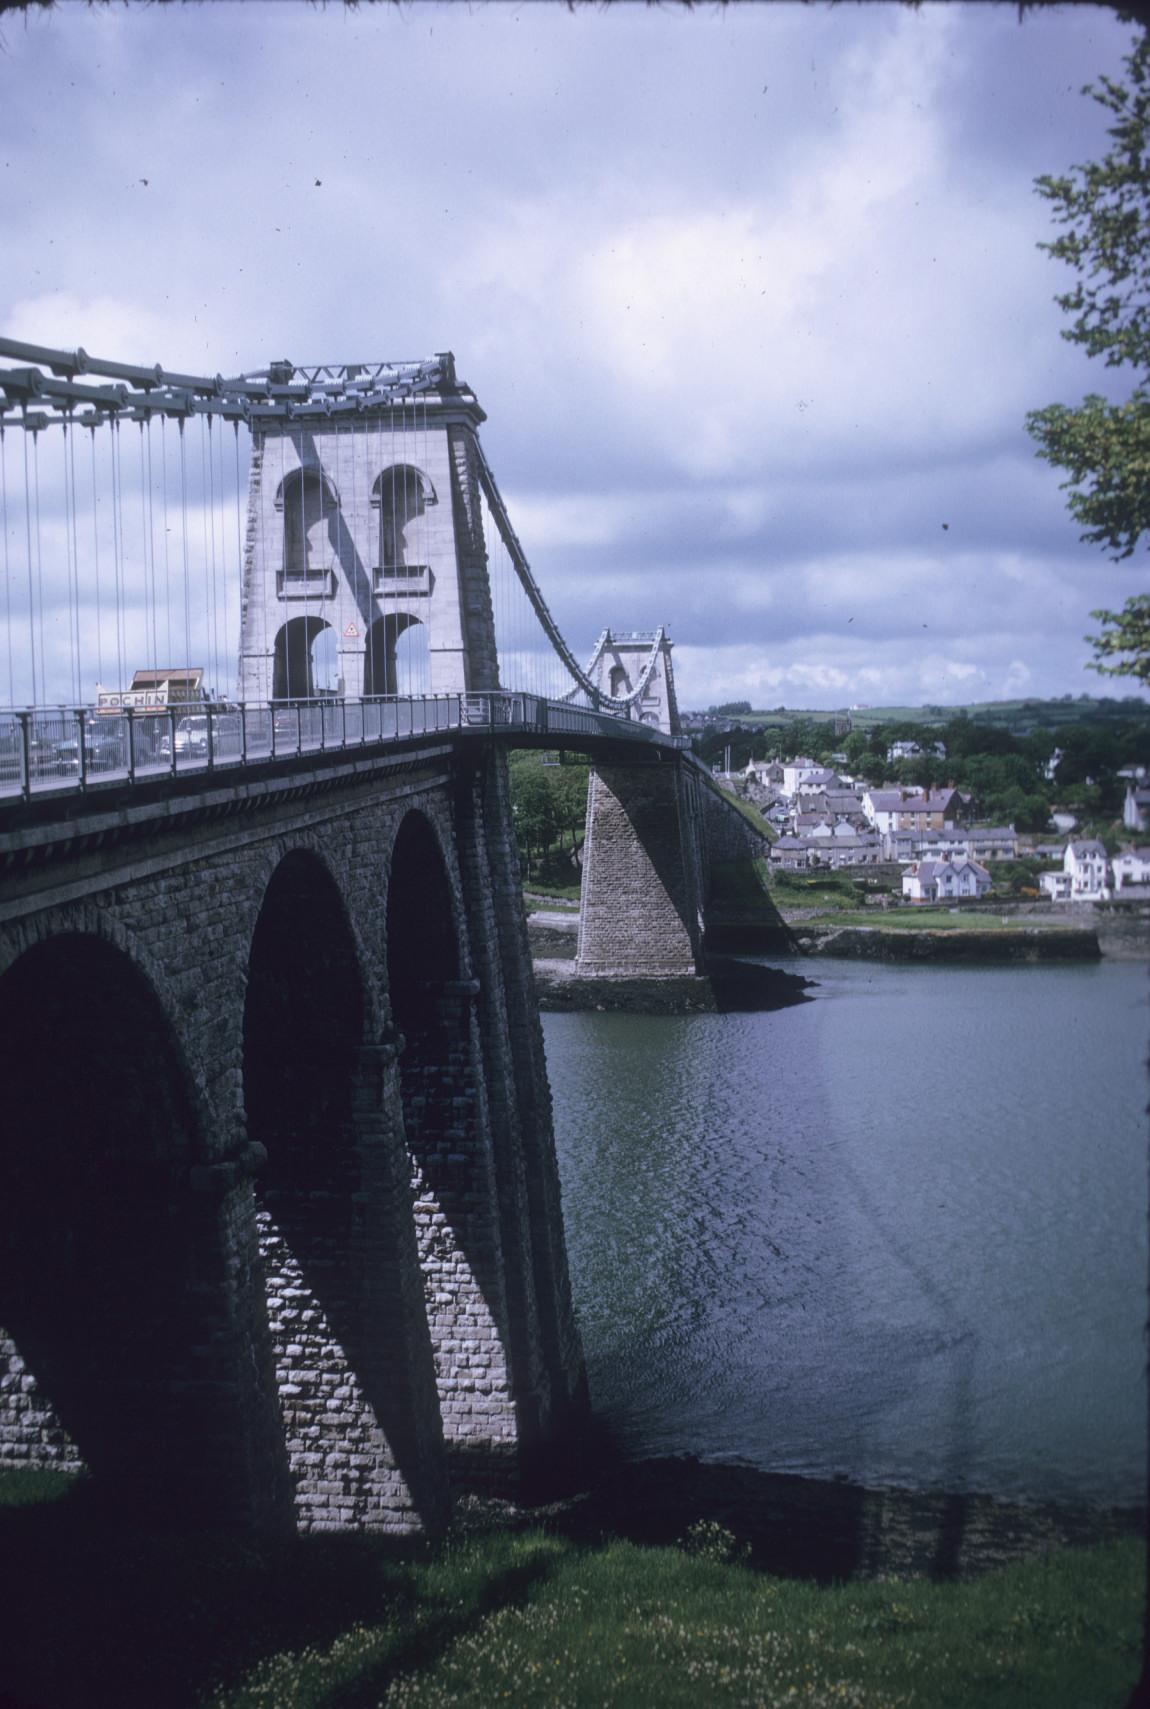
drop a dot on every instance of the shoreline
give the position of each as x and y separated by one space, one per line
730 983
826 1529
957 944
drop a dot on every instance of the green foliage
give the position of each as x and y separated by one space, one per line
1125 636
1104 207
731 709
1105 450
1104 210
548 809
1015 877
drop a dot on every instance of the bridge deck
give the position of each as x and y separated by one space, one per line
62 752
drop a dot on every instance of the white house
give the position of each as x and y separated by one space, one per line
1089 867
795 771
945 880
1085 875
767 772
1136 809
1131 866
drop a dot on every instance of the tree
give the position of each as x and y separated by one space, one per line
1104 208
1125 638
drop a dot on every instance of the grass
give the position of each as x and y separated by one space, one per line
548 887
920 920
745 883
746 811
830 890
96 1615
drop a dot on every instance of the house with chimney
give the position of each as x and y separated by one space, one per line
913 809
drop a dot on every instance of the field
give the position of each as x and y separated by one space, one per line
1015 715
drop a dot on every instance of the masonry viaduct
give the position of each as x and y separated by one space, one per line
281 1242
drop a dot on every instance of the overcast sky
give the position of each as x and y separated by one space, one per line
751 296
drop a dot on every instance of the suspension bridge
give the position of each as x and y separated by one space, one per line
280 1236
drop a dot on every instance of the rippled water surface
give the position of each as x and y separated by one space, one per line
897 1232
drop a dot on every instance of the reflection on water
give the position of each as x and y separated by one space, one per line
897 1233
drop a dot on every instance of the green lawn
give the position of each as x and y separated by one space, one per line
924 920
96 1615
547 887
829 890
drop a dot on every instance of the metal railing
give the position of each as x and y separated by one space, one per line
62 749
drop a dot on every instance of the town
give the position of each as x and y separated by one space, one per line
914 816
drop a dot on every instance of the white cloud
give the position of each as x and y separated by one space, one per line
752 296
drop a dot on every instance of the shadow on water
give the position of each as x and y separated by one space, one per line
750 987
829 1531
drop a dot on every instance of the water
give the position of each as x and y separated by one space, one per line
896 1233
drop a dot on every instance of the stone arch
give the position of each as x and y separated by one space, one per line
448 1142
383 671
309 504
619 684
350 1344
87 921
401 494
293 674
110 1264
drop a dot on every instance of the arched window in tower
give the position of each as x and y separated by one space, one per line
396 659
402 495
619 684
309 504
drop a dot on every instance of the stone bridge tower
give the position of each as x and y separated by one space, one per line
365 571
621 657
642 893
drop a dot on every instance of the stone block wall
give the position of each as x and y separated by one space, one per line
412 1307
641 901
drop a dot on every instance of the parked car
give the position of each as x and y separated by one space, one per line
191 738
103 750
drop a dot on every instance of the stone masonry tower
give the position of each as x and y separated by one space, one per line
363 523
641 911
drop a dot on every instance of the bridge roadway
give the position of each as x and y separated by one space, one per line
64 751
